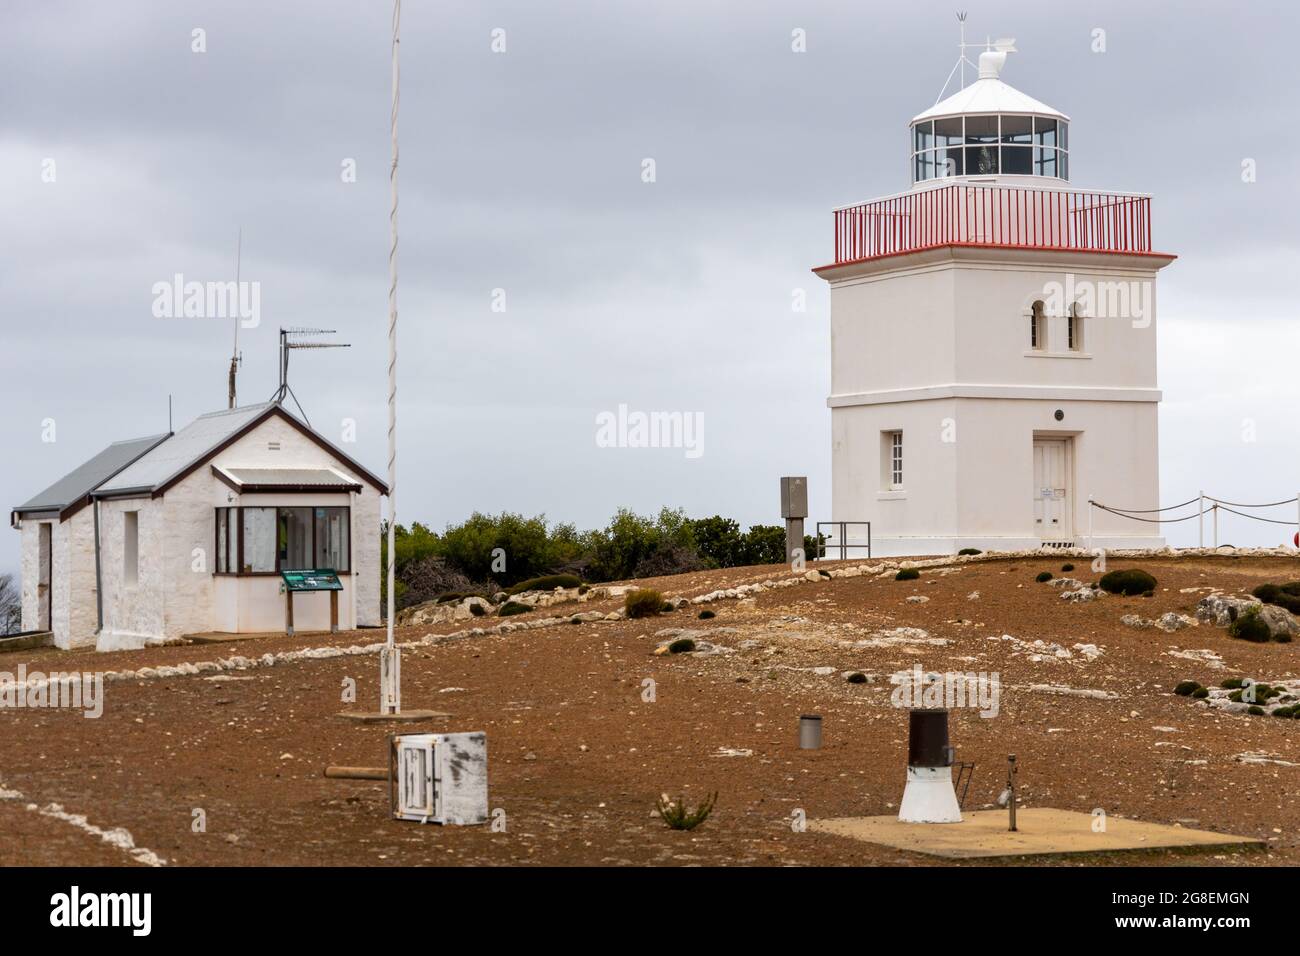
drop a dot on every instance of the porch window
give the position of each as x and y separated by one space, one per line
266 540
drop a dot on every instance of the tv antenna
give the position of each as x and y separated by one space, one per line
1000 45
235 358
294 339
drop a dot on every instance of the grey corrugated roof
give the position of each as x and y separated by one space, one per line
323 477
192 443
80 482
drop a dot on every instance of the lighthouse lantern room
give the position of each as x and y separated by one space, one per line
993 340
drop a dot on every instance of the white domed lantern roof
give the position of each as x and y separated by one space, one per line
990 129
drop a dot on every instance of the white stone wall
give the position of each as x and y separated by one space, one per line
133 615
78 547
31 572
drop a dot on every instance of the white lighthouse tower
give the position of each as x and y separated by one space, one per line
993 341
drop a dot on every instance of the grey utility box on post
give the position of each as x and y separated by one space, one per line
794 508
794 497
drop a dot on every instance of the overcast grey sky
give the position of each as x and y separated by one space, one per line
522 171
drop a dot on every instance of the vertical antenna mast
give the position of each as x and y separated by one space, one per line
390 687
961 47
234 355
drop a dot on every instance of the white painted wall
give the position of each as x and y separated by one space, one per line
937 344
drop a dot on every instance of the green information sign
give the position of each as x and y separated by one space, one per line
317 579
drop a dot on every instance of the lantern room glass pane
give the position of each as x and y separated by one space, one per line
1044 131
1017 160
1044 162
1063 134
981 160
948 162
981 129
1017 129
923 168
924 136
947 132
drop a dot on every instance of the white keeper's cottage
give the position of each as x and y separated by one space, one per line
993 341
187 533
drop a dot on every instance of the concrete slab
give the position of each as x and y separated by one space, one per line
406 716
1040 831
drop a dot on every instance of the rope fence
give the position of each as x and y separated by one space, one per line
1205 504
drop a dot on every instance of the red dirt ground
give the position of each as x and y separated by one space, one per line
577 759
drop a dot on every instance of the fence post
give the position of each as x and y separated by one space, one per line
1200 521
1216 524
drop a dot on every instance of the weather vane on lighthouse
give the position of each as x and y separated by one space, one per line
1001 45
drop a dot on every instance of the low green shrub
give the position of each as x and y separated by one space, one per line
1043 576
477 610
1282 595
643 602
1201 693
548 582
1128 582
1249 626
1255 709
511 608
708 615
907 574
683 645
970 551
1232 683
678 816
1283 712
857 677
1187 688
1067 568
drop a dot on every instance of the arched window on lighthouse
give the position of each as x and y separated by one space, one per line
1037 326
1074 329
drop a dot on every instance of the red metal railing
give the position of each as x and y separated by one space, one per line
1008 216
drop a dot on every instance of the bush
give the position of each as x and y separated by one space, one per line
1201 693
857 677
1067 568
1232 683
907 574
707 615
1283 595
1129 582
1043 576
511 608
1255 709
1283 712
548 582
679 817
970 551
477 610
1249 626
643 602
1187 688
426 579
683 645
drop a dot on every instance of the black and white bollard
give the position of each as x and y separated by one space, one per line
929 796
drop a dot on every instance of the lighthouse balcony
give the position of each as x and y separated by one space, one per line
994 215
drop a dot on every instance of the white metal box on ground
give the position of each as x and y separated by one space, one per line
439 778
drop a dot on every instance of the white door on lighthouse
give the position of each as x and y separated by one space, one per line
1052 505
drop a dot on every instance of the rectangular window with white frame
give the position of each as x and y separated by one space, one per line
891 455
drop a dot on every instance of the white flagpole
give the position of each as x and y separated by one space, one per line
389 667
